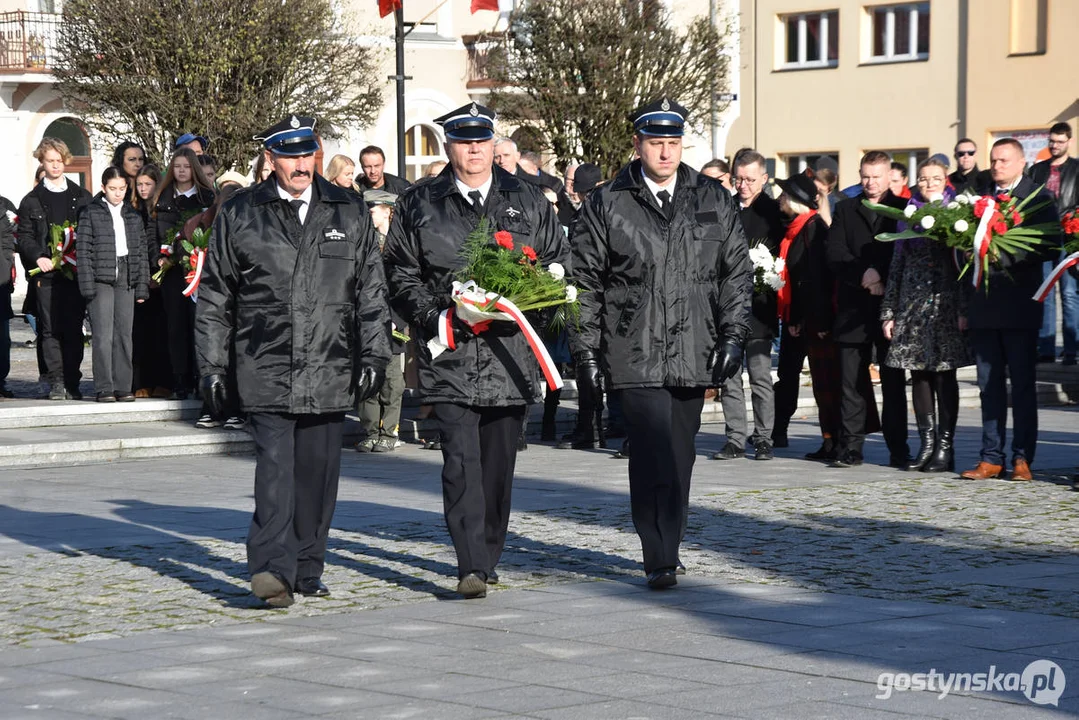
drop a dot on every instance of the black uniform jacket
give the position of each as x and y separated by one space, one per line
853 249
95 245
429 227
303 307
657 295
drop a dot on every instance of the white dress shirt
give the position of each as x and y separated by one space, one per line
465 189
654 188
305 196
118 228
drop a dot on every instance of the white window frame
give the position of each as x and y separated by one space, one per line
914 10
803 37
419 162
798 162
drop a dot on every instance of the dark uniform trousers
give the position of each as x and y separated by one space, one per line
661 425
856 395
1014 352
297 468
479 453
61 309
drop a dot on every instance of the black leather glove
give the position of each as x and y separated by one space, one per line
725 362
214 393
589 376
462 331
369 382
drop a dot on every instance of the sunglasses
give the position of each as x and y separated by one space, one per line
961 153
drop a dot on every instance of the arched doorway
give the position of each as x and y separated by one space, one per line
71 131
422 147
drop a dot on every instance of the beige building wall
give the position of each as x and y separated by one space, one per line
1022 60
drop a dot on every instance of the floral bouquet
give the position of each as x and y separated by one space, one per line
982 227
1069 224
194 259
499 283
767 270
176 232
62 242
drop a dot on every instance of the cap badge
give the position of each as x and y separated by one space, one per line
474 111
665 106
294 123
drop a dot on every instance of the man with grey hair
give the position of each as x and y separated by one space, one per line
763 225
507 155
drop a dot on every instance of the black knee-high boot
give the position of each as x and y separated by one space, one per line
927 431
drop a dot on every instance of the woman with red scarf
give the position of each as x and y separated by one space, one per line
922 314
805 307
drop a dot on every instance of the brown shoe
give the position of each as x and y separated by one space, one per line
142 393
984 471
1021 471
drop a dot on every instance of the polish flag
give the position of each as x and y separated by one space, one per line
484 5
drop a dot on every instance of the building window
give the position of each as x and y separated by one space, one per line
800 163
1029 27
899 32
911 157
422 147
811 40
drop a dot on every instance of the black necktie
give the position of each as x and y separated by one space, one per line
477 200
297 205
664 198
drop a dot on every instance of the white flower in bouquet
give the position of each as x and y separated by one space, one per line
909 210
571 294
760 257
773 280
963 199
961 226
557 270
953 205
779 266
928 222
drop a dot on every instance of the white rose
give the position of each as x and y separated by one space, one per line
928 222
953 205
961 226
557 270
571 293
909 210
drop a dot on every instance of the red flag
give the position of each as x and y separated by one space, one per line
484 5
385 7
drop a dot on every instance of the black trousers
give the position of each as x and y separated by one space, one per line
661 425
854 359
1003 355
150 344
180 314
792 355
61 310
479 453
297 468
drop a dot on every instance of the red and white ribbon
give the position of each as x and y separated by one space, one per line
469 298
1058 272
981 240
195 275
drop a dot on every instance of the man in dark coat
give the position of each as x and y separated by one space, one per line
860 264
664 265
375 177
967 176
764 225
481 388
293 303
1004 320
60 307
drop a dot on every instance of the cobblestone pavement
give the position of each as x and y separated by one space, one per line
104 551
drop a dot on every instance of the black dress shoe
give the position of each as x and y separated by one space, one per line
847 460
271 588
899 461
730 451
780 441
435 444
312 587
492 578
763 451
826 452
662 578
473 585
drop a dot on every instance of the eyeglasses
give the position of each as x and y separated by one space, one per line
745 181
931 181
962 153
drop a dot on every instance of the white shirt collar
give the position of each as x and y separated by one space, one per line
465 189
58 186
190 192
284 195
1009 188
655 188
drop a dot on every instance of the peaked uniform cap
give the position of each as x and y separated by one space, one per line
662 118
468 122
379 197
292 137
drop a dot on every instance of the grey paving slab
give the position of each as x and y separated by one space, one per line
620 710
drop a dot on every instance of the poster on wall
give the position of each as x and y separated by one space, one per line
1034 142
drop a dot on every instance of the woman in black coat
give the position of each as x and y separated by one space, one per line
183 193
113 274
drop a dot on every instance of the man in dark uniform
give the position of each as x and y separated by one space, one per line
292 302
664 265
480 390
861 264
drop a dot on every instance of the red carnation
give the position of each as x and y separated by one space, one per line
529 252
1017 219
999 227
1071 226
981 205
504 239
1003 198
